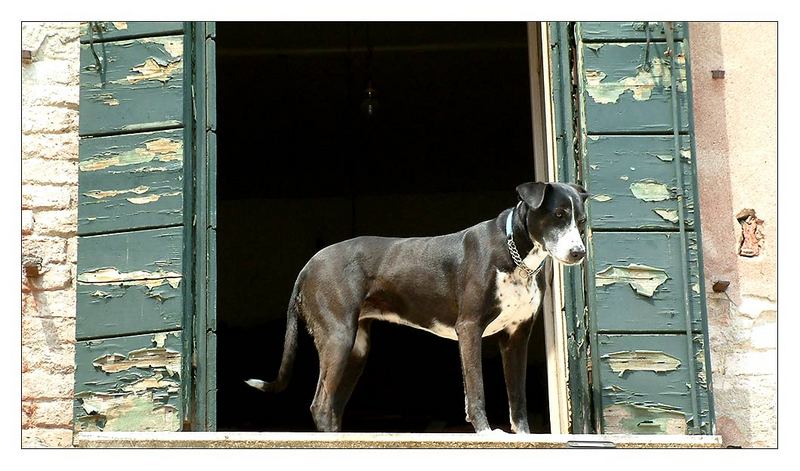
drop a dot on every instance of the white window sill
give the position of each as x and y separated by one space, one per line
383 440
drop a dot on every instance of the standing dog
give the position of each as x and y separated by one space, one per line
462 286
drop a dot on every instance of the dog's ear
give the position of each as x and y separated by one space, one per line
532 193
581 191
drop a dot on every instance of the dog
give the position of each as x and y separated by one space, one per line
484 280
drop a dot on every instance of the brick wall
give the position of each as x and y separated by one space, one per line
49 221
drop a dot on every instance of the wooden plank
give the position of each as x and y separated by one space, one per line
632 181
626 30
128 307
116 30
130 181
623 96
137 86
128 383
646 384
636 278
142 255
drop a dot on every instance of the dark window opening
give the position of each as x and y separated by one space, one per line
328 131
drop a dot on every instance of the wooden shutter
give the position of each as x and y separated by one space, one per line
131 287
638 312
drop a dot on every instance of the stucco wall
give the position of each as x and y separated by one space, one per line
49 220
736 134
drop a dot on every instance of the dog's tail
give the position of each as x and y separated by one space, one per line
289 348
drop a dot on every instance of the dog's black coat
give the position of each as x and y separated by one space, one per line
446 283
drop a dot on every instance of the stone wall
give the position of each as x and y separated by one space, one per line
49 221
736 129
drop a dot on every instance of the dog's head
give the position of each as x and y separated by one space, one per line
555 217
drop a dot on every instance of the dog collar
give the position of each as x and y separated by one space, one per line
512 249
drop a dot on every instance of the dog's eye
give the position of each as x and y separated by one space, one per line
560 213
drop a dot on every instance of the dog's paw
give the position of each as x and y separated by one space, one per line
496 431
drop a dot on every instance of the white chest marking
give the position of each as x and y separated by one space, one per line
518 302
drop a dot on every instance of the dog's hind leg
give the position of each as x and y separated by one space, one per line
334 352
354 368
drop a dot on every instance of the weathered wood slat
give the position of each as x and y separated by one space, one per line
130 181
128 383
632 182
138 85
626 30
637 282
646 384
141 255
116 30
128 307
624 93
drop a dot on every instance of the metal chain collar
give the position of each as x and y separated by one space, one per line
527 272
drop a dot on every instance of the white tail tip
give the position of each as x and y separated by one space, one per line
256 383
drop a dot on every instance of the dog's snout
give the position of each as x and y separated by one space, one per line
577 253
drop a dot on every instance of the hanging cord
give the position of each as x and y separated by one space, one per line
646 63
94 26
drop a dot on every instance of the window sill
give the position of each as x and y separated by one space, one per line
383 440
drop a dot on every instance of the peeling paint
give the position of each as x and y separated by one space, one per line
595 46
120 25
126 412
640 85
643 419
670 215
151 69
102 194
650 190
143 358
641 360
113 276
624 178
601 198
696 288
161 150
172 45
644 279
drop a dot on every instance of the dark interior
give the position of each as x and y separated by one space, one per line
309 156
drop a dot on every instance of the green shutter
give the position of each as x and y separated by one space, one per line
131 283
205 243
647 330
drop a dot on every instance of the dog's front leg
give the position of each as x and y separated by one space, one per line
469 345
514 351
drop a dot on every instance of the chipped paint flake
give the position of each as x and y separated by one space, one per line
670 215
151 69
641 360
151 198
120 25
643 419
661 157
644 279
650 190
696 288
102 194
601 198
595 46
161 150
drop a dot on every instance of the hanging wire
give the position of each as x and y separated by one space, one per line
94 26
